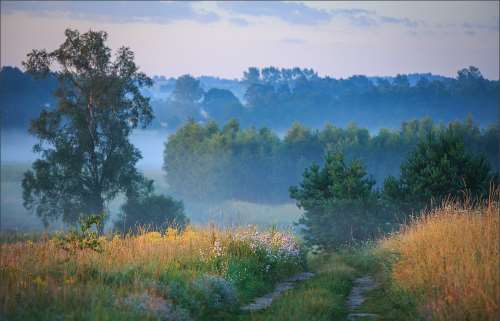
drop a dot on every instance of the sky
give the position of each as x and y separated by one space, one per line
339 39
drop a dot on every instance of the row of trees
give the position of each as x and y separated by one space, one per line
277 97
204 162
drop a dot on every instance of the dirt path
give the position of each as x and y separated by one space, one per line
265 301
356 298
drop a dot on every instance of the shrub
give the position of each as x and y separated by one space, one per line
85 238
156 211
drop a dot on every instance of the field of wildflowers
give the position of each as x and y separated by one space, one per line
194 274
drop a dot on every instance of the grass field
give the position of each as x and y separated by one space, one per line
201 274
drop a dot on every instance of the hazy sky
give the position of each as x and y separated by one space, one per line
224 38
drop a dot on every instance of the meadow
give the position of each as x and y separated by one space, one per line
442 265
202 274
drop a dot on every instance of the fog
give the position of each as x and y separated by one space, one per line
151 144
17 155
17 147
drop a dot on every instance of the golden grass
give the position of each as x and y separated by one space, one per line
43 265
146 249
449 258
44 273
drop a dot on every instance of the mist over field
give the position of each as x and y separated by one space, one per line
17 155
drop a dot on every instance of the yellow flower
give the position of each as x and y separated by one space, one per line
40 282
69 280
171 233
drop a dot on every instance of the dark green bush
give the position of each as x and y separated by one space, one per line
152 211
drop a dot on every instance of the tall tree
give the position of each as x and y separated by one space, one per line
86 158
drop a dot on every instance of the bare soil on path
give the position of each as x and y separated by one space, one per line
357 297
265 301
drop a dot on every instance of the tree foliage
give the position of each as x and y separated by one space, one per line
86 158
339 203
440 167
205 162
276 98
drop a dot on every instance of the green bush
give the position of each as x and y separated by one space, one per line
84 238
151 211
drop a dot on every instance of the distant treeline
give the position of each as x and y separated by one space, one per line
275 98
205 162
22 97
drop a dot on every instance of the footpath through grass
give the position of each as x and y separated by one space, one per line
442 266
324 296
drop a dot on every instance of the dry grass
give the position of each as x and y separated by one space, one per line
449 258
45 277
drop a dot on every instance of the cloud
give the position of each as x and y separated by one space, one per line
303 14
294 41
169 11
494 26
113 11
291 12
400 21
370 18
239 22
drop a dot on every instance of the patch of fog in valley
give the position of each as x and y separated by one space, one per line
17 155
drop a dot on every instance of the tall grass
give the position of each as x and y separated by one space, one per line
199 273
449 259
